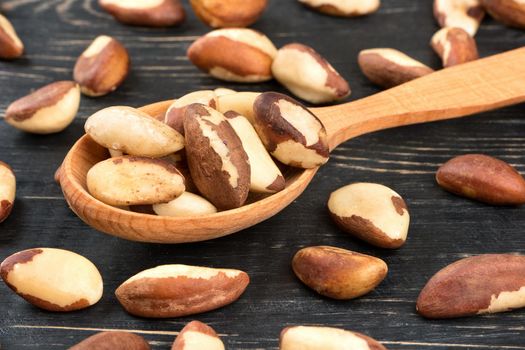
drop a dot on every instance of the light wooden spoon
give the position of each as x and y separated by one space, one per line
478 86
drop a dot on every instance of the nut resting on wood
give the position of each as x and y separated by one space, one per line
464 14
10 44
148 13
454 46
175 114
197 336
7 190
114 340
231 13
509 12
344 8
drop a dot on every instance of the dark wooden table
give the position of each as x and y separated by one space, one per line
444 228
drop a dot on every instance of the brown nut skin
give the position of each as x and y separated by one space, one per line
159 13
7 190
338 273
343 8
174 116
112 341
232 13
454 46
203 337
509 12
465 14
11 46
481 284
483 178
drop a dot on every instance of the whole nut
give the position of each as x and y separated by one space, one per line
338 273
53 279
454 46
48 110
232 13
114 340
326 338
483 178
308 75
371 212
102 67
510 12
481 284
187 204
345 8
218 163
197 336
175 114
10 44
289 131
149 13
465 14
390 67
240 54
129 180
240 102
7 190
180 290
133 132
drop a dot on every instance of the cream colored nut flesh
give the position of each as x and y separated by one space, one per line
308 75
175 114
465 14
48 110
149 13
454 46
115 153
197 336
187 204
133 132
240 102
371 212
231 13
113 340
343 8
53 279
221 91
509 12
7 190
10 44
130 180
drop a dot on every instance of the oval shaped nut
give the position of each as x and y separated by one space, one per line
345 8
221 91
53 279
509 12
240 102
326 338
149 13
115 340
197 336
7 190
389 67
133 132
175 114
465 14
454 46
129 180
481 284
308 75
187 204
289 131
264 174
233 13
218 163
239 54
48 110
483 178
102 67
10 44
338 273
180 290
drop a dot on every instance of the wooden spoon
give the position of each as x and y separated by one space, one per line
478 86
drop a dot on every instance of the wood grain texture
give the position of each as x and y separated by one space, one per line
444 228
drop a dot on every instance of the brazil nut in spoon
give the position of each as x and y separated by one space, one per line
478 86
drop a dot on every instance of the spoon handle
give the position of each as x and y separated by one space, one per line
474 87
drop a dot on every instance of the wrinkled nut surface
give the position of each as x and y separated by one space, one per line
113 341
510 12
129 180
175 114
102 67
218 163
7 190
232 13
345 8
180 290
371 212
289 131
483 178
454 46
48 110
465 14
338 273
308 75
133 132
197 336
265 176
53 279
240 55
389 67
149 13
10 44
187 204
326 338
477 285
240 102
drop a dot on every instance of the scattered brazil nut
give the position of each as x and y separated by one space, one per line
454 46
345 8
47 110
338 273
7 190
129 180
236 54
187 204
389 67
326 338
465 14
232 13
197 336
10 44
114 340
509 12
102 67
218 163
180 290
483 178
476 285
175 114
53 279
290 132
308 75
148 13
133 132
240 102
371 212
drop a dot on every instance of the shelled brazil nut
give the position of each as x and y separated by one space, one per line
343 8
454 46
232 13
509 12
174 116
187 204
149 13
465 14
114 340
10 44
7 190
197 336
